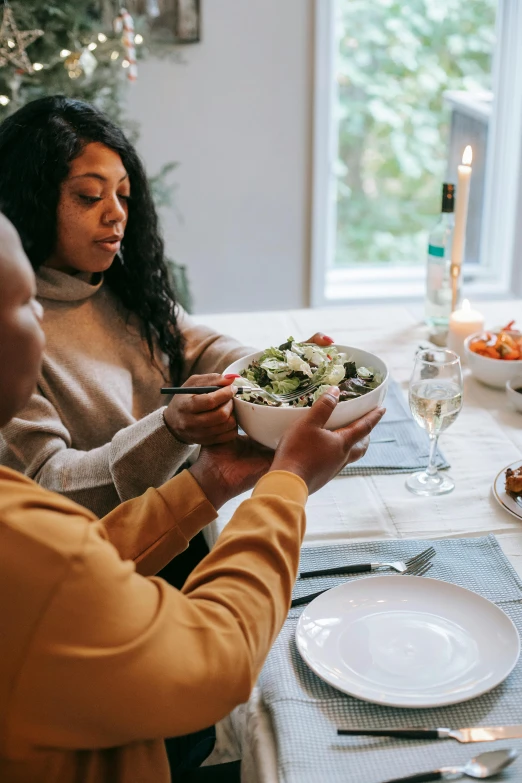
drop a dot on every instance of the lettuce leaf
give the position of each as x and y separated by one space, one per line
272 353
292 366
296 364
285 386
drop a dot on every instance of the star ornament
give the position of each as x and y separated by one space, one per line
13 43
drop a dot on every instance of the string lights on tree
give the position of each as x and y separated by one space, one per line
87 50
13 42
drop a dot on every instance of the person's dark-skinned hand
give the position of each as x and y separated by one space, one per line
306 449
226 470
209 419
319 338
203 418
316 454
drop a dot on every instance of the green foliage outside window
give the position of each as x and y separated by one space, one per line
395 60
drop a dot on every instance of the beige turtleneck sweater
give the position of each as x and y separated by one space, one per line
94 431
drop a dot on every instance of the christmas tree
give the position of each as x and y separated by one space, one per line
83 49
78 53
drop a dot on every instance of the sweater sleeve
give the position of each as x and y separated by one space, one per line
118 657
207 351
157 526
142 455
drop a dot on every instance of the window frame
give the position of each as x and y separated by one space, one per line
501 232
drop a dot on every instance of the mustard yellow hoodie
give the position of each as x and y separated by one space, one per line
99 660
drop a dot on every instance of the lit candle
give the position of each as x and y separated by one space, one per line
462 323
461 219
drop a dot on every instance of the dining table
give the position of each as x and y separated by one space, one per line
485 438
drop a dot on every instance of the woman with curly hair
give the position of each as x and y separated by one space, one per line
97 430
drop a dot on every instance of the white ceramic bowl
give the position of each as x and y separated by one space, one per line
492 372
514 396
267 424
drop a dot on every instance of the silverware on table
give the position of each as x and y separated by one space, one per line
418 569
477 734
402 566
281 397
242 390
482 766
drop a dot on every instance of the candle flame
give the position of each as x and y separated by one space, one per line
466 305
468 156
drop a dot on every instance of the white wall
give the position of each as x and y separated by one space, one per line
237 115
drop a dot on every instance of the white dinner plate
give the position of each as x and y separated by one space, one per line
407 641
507 501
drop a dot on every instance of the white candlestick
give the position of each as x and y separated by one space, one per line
461 219
462 323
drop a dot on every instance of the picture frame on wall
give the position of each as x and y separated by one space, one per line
174 21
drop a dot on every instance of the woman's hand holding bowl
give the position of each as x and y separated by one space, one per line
307 449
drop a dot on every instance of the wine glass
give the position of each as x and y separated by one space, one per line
435 396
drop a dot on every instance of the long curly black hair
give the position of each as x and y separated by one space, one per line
37 145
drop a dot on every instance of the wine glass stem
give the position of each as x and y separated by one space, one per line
431 470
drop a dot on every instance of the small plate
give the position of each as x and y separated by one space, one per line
407 641
510 502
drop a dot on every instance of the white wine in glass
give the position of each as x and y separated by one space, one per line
435 396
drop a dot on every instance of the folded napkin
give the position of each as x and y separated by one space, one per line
410 446
306 712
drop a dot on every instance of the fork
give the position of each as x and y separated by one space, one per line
398 565
280 397
419 569
242 390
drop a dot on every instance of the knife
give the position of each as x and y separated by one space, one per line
477 734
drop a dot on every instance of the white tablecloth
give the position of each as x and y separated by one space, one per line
486 437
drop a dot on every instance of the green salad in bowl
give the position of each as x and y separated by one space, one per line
362 377
293 366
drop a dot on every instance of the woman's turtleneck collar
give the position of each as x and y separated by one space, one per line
53 284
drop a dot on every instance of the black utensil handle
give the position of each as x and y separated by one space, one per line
421 777
305 599
405 733
358 568
190 389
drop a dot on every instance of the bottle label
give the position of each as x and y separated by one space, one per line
434 250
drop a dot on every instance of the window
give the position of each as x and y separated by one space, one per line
401 88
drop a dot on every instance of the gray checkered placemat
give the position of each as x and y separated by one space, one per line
408 445
306 712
